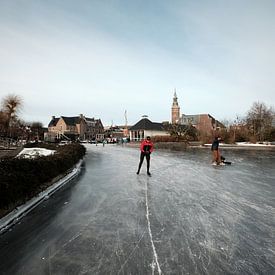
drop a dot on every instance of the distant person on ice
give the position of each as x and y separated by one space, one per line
146 148
215 151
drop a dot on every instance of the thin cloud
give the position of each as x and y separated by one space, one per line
100 58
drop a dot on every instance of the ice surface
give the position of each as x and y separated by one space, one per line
194 218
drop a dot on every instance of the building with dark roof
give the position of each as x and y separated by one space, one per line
75 127
146 127
53 122
94 129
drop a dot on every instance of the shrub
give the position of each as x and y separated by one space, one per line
174 146
165 139
21 179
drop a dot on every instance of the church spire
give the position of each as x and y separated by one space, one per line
175 93
175 99
175 109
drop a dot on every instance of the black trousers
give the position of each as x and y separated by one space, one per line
142 155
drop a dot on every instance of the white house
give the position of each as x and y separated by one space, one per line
146 127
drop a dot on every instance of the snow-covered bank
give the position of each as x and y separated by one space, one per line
261 144
241 145
13 217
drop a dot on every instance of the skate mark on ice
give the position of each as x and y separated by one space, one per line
155 255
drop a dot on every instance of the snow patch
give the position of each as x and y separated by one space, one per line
35 152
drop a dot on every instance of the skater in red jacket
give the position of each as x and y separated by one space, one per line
146 148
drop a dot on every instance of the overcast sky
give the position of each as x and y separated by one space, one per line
100 58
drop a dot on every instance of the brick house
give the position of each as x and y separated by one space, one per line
74 127
202 122
94 129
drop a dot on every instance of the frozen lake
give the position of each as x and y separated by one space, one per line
188 218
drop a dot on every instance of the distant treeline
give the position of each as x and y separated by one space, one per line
22 179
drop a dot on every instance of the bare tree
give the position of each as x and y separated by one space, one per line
11 105
182 132
37 130
3 122
259 120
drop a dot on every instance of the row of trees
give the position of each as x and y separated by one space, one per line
257 125
11 126
259 121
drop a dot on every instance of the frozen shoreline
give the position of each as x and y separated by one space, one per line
241 145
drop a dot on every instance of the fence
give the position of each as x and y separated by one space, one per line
9 143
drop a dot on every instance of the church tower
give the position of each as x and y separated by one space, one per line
175 109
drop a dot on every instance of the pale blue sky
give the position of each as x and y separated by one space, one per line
101 58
